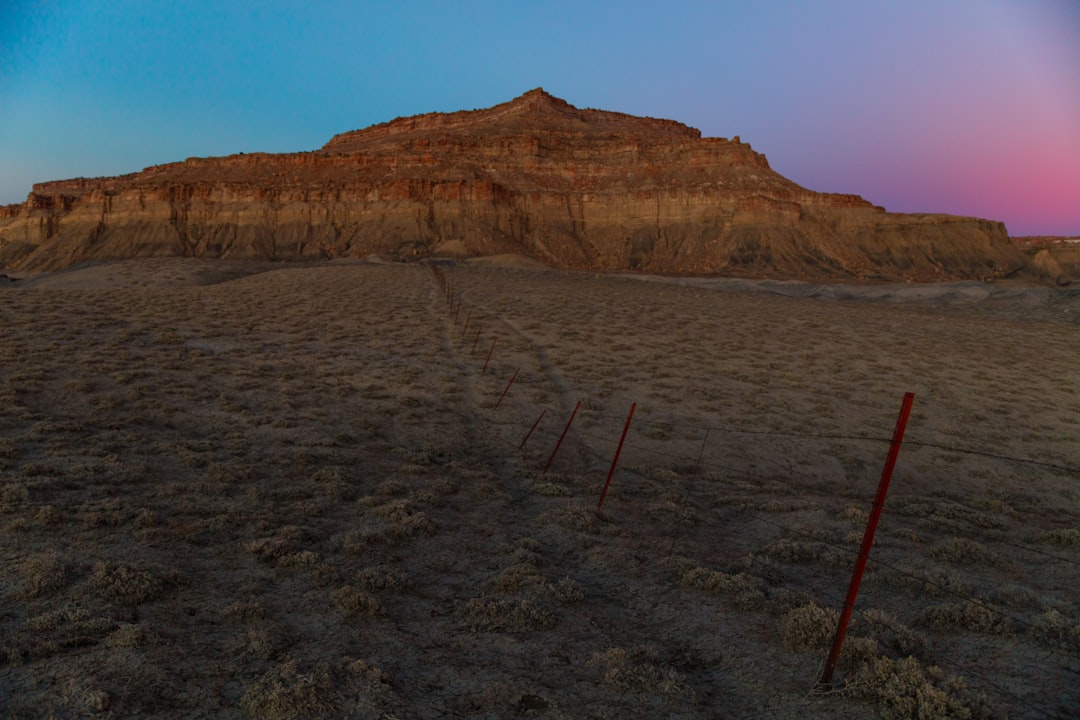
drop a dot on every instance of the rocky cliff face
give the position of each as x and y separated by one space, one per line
575 188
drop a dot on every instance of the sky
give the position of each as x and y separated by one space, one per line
968 107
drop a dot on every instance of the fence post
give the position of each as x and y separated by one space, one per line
512 379
701 453
561 437
615 460
488 358
526 438
867 542
477 338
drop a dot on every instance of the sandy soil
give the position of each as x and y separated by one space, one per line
277 492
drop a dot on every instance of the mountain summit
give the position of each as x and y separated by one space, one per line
576 188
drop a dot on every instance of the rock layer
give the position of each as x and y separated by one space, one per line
576 188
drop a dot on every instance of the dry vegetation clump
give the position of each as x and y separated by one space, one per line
810 627
388 523
968 615
904 689
747 590
1056 629
52 632
13 497
502 615
1063 537
565 591
43 574
130 635
8 450
355 602
289 691
285 693
376 580
285 542
963 551
894 635
811 551
131 583
638 670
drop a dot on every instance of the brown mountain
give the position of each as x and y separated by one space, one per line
536 176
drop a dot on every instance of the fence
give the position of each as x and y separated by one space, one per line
1022 653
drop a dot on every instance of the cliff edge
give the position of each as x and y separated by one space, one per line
575 188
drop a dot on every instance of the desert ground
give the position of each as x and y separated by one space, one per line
270 491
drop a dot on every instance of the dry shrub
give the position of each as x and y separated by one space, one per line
350 688
13 496
893 634
746 589
130 583
81 700
550 489
393 488
854 513
638 670
942 514
794 551
1017 596
146 518
245 611
1056 629
48 516
390 523
334 484
285 541
968 615
72 622
285 693
130 635
301 559
905 691
810 627
261 640
352 601
43 574
375 579
7 449
1064 537
497 615
566 591
103 513
51 633
964 552
518 576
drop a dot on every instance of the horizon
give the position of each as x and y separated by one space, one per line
971 109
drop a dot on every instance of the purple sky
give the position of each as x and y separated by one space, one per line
969 107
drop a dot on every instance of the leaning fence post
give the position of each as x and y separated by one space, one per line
507 389
867 541
615 460
488 358
561 437
528 434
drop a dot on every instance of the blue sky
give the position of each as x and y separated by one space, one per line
970 107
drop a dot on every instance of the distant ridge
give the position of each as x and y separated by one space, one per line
575 188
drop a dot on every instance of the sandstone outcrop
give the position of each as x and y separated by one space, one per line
576 188
1055 259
